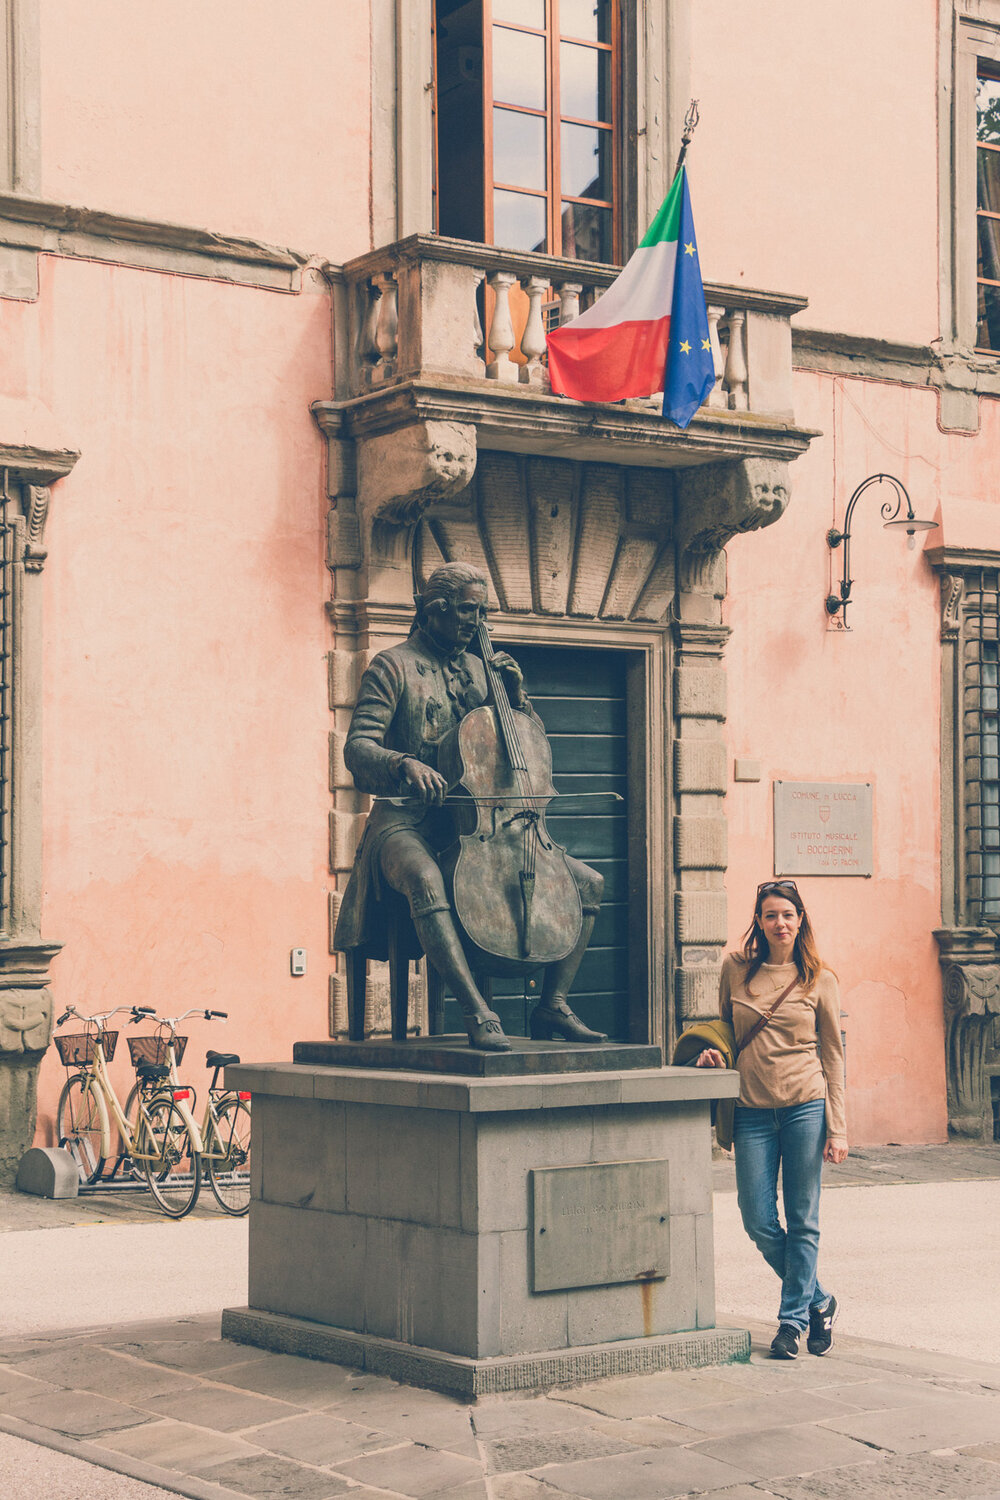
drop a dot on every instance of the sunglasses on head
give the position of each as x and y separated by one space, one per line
767 886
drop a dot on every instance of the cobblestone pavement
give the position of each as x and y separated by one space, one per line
173 1405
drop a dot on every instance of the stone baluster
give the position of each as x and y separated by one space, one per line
387 331
478 342
734 381
501 335
533 338
717 396
569 301
368 350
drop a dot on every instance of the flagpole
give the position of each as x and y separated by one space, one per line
690 125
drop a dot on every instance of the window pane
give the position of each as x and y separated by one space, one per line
520 12
590 19
988 109
519 221
586 161
988 179
988 328
519 149
584 82
989 248
586 232
518 68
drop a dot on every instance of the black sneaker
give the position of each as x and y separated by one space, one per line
821 1327
785 1344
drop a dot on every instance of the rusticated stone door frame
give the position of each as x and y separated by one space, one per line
588 554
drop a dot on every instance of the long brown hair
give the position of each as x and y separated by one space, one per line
755 948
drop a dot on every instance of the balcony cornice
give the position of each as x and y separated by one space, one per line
519 419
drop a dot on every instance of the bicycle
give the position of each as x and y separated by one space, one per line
223 1138
160 1142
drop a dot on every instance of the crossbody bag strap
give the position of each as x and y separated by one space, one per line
762 1021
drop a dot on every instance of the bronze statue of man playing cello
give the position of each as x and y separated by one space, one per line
410 703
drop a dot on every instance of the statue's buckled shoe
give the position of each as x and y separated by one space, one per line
486 1034
551 1021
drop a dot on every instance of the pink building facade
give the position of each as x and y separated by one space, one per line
265 366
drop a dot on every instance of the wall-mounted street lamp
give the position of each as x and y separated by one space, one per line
891 519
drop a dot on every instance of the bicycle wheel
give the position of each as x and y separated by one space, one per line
132 1116
166 1154
229 1175
82 1126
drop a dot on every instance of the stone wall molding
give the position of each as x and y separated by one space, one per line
970 962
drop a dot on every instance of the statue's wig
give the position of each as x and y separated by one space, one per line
445 585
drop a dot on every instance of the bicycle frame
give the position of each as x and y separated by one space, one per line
98 1084
208 1131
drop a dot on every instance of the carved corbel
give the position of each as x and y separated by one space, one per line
952 589
36 514
401 473
717 502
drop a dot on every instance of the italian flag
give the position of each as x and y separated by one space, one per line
651 318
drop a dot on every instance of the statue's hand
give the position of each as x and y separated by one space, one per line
422 781
512 675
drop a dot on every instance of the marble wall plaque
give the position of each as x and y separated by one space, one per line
600 1225
823 828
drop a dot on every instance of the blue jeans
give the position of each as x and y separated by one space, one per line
793 1137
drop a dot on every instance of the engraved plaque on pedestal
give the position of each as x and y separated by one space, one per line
600 1225
823 828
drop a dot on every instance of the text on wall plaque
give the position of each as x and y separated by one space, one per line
823 828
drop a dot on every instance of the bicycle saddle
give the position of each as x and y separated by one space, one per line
151 1072
220 1059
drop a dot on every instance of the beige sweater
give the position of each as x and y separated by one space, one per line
798 1055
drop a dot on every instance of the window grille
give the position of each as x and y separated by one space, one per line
6 695
981 744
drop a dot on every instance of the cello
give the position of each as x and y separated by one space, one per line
514 895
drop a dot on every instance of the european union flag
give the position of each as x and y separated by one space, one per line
690 372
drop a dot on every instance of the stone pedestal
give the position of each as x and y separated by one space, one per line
412 1223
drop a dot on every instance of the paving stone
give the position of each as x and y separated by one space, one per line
306 1382
764 1375
412 1470
174 1445
15 1385
649 1474
320 1438
215 1406
989 1451
77 1413
755 1413
269 1478
114 1375
913 1477
534 1450
423 1416
194 1355
740 1492
495 1415
883 1395
649 1395
952 1422
474 1490
786 1450
526 1487
647 1432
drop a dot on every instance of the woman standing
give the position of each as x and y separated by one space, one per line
784 1007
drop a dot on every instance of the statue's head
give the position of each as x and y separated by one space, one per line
452 604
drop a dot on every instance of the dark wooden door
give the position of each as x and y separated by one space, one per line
586 699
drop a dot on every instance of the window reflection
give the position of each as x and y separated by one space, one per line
521 12
585 161
589 19
518 68
519 149
587 232
988 110
988 331
519 221
584 82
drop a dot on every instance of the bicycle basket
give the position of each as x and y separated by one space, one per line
80 1049
153 1049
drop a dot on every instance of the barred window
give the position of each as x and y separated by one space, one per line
7 584
981 744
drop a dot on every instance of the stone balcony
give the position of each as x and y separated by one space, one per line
441 330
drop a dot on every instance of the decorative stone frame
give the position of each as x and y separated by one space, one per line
20 113
652 539
655 87
969 954
25 1002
